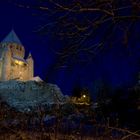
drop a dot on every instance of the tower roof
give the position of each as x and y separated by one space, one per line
29 56
11 38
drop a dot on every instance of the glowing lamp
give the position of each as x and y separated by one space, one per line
84 96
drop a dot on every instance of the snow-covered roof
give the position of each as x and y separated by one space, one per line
37 79
19 59
11 38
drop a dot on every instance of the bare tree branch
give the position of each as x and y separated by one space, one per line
81 24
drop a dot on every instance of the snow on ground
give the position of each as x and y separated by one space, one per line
37 79
26 95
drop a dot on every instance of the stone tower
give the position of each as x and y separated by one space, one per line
30 62
13 65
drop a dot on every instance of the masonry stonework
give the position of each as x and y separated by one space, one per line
13 65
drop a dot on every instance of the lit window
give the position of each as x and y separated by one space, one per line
19 62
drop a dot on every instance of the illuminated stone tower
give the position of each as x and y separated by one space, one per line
30 62
12 62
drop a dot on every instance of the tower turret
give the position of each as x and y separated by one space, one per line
15 44
12 62
30 62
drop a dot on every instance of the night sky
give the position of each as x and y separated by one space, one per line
117 66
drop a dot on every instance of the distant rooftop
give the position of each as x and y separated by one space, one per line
11 38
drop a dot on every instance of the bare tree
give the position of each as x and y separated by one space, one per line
86 27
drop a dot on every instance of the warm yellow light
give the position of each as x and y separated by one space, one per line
19 62
84 96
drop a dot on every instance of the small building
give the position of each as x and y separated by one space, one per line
13 65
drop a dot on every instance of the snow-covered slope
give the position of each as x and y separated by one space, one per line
25 95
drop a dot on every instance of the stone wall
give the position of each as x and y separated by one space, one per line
9 69
23 95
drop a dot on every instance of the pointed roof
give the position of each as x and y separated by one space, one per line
30 55
11 38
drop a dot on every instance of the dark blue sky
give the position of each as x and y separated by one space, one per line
117 66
